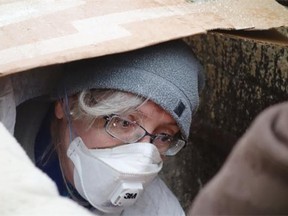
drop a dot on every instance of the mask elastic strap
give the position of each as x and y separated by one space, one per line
67 114
71 134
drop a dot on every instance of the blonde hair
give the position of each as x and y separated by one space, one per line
92 104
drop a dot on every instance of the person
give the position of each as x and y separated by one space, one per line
113 121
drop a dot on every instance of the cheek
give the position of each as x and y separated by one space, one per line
97 138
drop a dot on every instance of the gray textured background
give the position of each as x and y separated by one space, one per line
245 73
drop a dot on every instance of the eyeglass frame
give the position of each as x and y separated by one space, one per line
108 118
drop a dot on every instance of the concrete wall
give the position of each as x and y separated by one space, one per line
245 73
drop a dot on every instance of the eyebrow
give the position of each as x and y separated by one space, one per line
140 112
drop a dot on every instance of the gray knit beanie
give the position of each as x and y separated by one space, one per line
167 73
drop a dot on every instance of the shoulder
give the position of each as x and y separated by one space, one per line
157 199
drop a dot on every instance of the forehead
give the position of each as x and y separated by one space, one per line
152 111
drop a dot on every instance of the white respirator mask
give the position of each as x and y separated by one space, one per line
113 178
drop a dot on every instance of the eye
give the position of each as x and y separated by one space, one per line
166 138
125 123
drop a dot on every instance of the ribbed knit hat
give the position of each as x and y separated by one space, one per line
167 73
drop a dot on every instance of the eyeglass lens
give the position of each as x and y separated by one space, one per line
130 132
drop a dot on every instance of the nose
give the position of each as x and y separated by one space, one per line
145 139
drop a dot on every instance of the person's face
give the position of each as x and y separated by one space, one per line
150 116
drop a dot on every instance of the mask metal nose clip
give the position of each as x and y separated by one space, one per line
126 194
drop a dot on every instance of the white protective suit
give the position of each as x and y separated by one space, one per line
26 190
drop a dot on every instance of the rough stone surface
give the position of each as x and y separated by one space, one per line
244 75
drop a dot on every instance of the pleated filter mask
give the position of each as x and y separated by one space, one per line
113 178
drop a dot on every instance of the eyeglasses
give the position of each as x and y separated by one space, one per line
129 131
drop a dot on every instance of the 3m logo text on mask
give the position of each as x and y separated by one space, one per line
130 196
